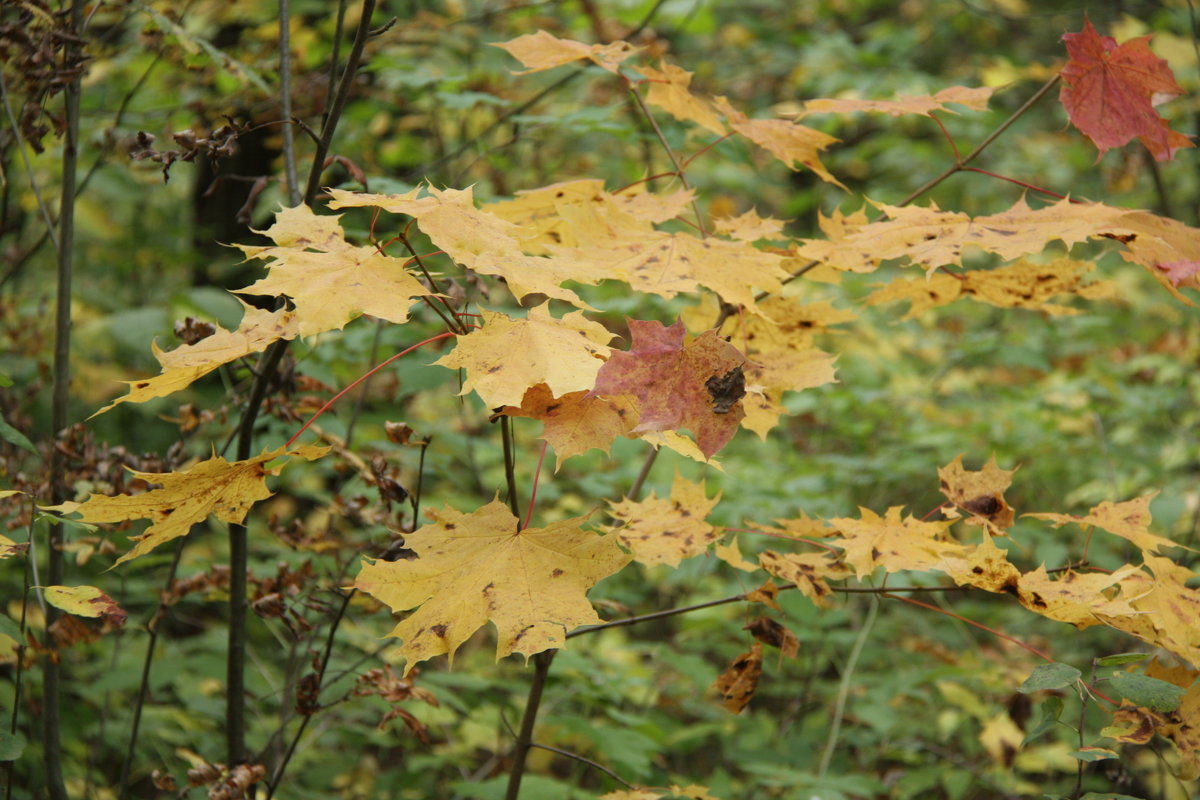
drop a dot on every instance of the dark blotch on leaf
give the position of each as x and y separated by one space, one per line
725 390
984 506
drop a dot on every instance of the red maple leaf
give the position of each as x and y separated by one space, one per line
698 385
1110 91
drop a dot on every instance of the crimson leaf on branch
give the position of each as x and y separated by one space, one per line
697 385
1110 91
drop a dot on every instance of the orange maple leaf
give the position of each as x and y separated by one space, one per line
1110 91
575 423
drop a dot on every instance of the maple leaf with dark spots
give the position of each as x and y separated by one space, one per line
695 385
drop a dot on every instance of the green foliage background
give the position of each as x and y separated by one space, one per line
1098 406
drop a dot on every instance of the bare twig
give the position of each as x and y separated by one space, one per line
333 627
33 184
235 716
541 668
144 684
583 760
285 96
62 389
839 711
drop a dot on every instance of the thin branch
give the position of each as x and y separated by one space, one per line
334 56
285 95
533 492
33 184
670 153
671 612
583 760
454 324
361 402
523 107
541 668
51 734
334 113
839 711
643 473
18 679
993 136
958 166
333 627
972 622
235 709
510 473
147 661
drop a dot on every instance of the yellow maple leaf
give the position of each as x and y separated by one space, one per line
190 362
731 554
478 240
1022 284
669 91
672 440
782 357
666 530
693 791
472 568
1071 597
1183 729
536 212
1168 608
809 571
575 423
1130 520
615 244
787 141
85 601
541 51
652 206
781 323
1001 737
330 280
632 794
1156 243
186 498
749 227
790 370
975 99
762 412
508 356
894 543
978 492
932 238
801 527
984 566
